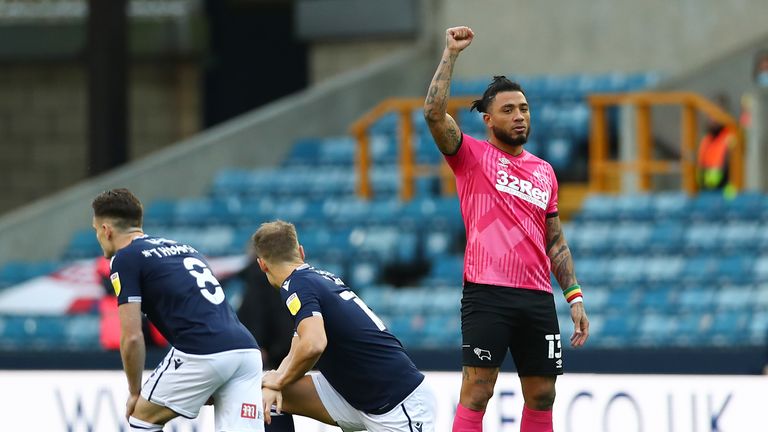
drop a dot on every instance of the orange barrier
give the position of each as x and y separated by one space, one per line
601 168
409 170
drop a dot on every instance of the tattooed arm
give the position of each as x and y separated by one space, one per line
444 129
559 254
562 267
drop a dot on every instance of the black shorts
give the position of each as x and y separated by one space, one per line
496 318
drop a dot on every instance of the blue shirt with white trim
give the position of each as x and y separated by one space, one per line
363 361
179 294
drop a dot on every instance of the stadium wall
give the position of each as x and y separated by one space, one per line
561 36
260 138
43 121
330 58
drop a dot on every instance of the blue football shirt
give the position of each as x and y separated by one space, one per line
363 361
179 294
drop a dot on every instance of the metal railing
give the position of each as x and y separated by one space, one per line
601 168
409 169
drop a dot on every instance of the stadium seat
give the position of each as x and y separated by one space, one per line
560 151
160 212
658 299
666 237
445 300
729 328
631 237
735 268
441 331
635 208
656 329
707 206
83 245
592 270
621 298
664 268
590 238
739 236
597 207
387 124
689 330
758 328
760 302
618 330
735 297
697 298
669 206
213 240
701 268
385 243
446 270
760 268
15 272
702 237
627 269
746 206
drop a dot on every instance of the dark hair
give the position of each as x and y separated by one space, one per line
499 84
276 242
120 205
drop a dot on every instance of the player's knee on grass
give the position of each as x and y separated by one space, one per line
141 425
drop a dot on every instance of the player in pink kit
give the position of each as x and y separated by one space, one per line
514 239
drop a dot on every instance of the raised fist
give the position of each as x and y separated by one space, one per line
458 38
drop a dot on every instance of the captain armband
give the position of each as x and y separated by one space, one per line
573 294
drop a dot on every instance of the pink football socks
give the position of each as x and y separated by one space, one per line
467 420
536 421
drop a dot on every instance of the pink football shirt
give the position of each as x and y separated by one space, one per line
504 201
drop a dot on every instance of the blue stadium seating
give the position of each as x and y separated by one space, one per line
49 332
661 269
758 328
83 245
696 299
15 272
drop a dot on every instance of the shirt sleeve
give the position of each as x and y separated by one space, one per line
125 276
552 207
301 300
460 160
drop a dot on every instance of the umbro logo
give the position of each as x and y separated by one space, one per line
482 354
504 161
177 362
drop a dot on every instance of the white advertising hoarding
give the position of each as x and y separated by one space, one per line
75 401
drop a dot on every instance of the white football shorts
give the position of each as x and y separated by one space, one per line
415 414
184 382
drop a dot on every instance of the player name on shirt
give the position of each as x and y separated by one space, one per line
166 251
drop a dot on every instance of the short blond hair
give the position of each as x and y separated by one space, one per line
276 242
